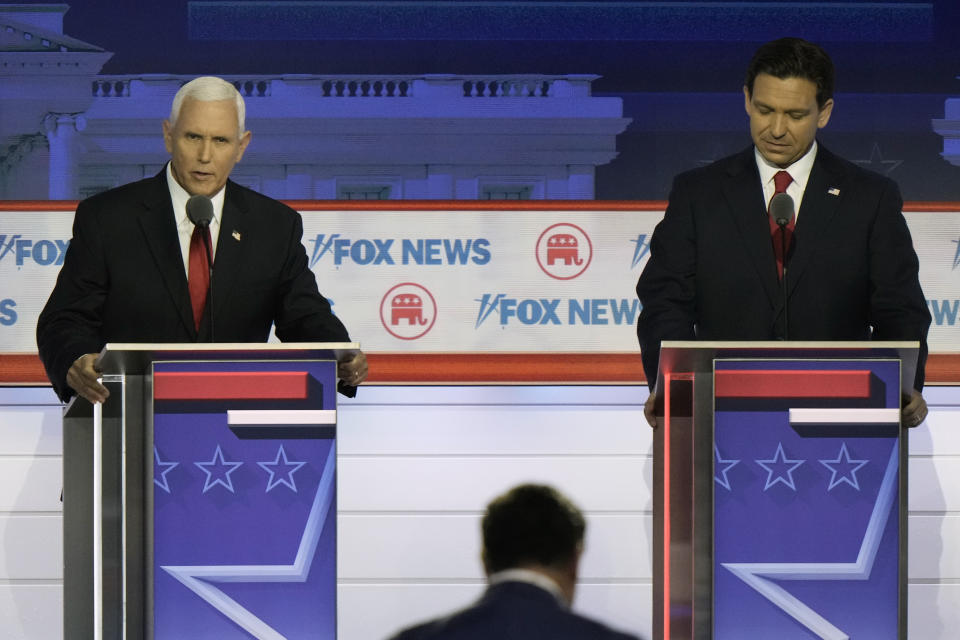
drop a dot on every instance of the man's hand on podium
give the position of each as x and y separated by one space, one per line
82 377
353 369
914 410
648 409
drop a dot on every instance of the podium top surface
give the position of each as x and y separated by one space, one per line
134 358
697 356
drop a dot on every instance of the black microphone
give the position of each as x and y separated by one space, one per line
781 209
200 212
782 212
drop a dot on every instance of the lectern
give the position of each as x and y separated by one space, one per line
200 499
780 473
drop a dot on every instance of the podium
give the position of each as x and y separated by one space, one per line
780 474
200 499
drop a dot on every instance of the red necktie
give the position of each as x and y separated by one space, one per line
199 274
781 181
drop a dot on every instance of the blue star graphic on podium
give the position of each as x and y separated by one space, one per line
278 477
202 580
812 559
727 465
780 469
247 559
164 468
843 467
221 468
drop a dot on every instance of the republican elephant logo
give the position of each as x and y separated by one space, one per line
408 311
564 251
407 307
563 246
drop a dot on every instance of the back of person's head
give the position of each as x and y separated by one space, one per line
209 89
531 525
793 58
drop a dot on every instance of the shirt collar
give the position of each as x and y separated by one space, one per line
527 576
799 170
179 197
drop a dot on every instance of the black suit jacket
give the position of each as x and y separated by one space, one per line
123 278
513 611
852 270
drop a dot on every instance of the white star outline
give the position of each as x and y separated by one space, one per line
197 578
280 479
758 575
219 461
730 464
780 457
167 468
844 458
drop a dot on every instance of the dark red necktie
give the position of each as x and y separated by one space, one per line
781 180
199 273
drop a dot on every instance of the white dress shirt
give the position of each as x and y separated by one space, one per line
179 197
799 171
535 578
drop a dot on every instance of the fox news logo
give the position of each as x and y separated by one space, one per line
556 311
641 250
564 251
408 311
391 251
22 250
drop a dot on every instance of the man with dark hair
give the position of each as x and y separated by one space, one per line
717 269
532 541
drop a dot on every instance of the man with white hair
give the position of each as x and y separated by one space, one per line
129 271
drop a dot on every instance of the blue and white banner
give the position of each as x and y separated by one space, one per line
465 280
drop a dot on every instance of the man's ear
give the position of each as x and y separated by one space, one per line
168 136
825 112
244 141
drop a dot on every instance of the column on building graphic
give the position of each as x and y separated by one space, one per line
45 81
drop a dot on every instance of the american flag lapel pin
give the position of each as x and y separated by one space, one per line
236 235
832 191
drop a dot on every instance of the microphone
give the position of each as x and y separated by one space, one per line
781 209
782 212
200 212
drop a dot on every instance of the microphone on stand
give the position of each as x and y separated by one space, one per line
200 212
782 212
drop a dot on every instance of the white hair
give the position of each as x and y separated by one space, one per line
209 89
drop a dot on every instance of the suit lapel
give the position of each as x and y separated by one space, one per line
230 249
160 232
744 195
821 200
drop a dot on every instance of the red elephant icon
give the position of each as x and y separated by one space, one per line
408 307
563 246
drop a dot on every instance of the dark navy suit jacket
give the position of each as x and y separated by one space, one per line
852 270
123 278
514 611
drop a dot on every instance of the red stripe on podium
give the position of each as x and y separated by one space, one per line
230 385
485 368
811 383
